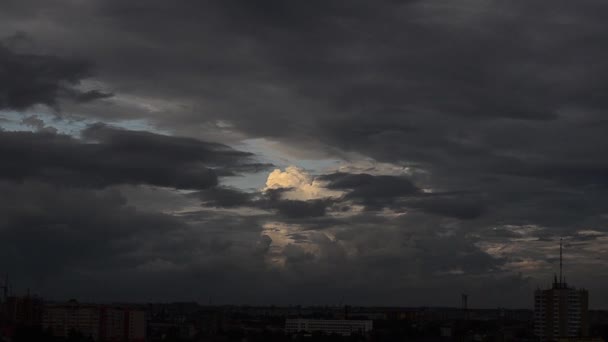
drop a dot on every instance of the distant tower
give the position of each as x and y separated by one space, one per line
561 279
465 301
561 311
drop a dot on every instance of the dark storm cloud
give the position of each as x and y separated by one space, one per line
224 197
82 236
393 59
92 95
416 243
459 205
372 191
71 230
27 79
375 192
400 192
272 199
498 104
299 209
574 173
462 91
108 155
425 82
366 186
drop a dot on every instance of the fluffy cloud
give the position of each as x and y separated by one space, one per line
298 185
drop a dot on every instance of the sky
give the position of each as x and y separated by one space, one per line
303 152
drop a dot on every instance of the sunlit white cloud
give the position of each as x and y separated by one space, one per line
299 185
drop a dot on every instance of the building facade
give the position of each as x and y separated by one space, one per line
561 311
63 319
99 322
135 325
22 311
338 326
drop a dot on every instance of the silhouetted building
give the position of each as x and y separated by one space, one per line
122 324
328 326
211 322
162 331
63 319
99 322
22 311
561 311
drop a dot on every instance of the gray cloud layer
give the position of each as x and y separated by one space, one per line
106 156
29 79
496 107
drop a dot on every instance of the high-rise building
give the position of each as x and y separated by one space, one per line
135 325
561 311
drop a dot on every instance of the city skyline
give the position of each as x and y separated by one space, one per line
390 153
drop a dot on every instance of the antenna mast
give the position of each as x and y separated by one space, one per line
560 262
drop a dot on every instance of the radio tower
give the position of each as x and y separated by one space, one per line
561 279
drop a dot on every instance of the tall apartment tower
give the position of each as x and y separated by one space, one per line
561 311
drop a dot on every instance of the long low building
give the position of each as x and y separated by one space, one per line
98 322
328 326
